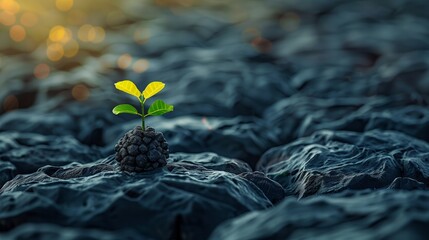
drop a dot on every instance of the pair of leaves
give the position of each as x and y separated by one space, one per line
157 108
129 87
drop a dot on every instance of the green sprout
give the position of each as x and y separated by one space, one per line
157 108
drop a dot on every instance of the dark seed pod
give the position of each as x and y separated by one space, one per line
139 151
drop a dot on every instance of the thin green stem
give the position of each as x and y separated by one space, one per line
142 101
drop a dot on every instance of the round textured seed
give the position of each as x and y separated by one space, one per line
154 155
160 137
140 161
133 150
154 143
142 148
150 134
123 152
128 160
147 140
135 140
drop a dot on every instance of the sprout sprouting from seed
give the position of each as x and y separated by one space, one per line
157 108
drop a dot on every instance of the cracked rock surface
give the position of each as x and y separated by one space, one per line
347 215
176 200
333 161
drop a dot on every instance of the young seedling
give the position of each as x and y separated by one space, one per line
157 108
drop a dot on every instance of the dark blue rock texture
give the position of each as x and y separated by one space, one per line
300 119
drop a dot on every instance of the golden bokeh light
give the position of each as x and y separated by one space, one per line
80 92
141 36
84 32
10 6
55 51
17 33
140 65
42 71
60 34
7 19
89 33
29 19
99 34
64 5
71 48
31 23
124 61
10 103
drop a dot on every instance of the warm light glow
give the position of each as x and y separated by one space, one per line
10 103
64 5
60 34
55 51
29 19
80 92
141 65
10 6
42 71
89 33
124 61
175 3
7 19
99 34
262 44
71 48
17 33
84 32
76 17
141 36
115 18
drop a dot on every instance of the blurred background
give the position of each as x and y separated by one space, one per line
66 48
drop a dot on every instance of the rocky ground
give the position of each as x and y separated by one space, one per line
293 120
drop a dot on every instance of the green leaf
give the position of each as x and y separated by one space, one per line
128 87
159 107
152 89
125 108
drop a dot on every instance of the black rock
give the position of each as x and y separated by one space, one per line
139 151
212 161
383 214
44 231
185 200
7 172
331 161
29 151
272 189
